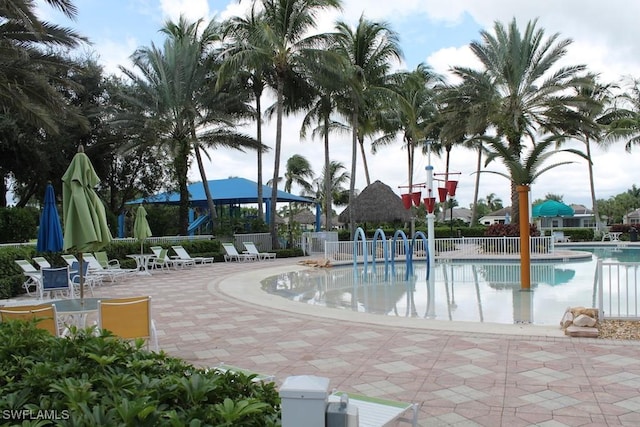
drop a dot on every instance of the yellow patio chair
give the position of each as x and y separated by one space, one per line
128 318
45 314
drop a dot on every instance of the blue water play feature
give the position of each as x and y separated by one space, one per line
388 254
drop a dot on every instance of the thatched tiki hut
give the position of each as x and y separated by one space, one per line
376 204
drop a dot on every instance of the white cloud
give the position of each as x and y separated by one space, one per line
192 10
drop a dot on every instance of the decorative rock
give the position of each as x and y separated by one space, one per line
580 331
591 312
584 321
567 319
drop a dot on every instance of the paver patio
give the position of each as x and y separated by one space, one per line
460 374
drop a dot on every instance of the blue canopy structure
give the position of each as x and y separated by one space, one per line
230 191
224 192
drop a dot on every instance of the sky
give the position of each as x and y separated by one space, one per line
604 38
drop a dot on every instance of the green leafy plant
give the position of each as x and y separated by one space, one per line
89 380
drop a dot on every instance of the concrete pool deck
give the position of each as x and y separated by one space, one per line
460 374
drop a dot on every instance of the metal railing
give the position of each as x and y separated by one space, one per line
472 247
618 290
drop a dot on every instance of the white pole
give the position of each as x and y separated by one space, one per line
431 236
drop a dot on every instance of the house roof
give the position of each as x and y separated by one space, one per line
224 192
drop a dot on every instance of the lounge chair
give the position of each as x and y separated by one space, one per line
96 268
232 254
163 261
184 255
253 250
104 260
46 315
128 318
32 275
42 262
375 412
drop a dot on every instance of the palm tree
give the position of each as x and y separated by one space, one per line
597 99
31 73
281 42
239 30
337 177
532 89
327 85
367 52
174 82
299 172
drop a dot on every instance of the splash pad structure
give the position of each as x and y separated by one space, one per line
388 255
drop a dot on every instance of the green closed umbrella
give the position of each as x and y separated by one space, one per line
141 228
85 219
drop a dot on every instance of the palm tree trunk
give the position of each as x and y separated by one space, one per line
276 165
364 159
594 203
259 138
205 185
476 189
410 157
181 169
354 159
327 177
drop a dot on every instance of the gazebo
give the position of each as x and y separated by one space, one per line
230 191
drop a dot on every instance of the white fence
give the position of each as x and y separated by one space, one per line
618 290
165 239
472 247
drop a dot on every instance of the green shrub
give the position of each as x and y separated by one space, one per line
18 224
89 380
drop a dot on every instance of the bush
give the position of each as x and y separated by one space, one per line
18 225
509 230
89 380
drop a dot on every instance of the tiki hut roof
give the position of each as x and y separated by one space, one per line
375 204
305 217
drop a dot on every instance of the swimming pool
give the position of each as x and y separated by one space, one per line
461 291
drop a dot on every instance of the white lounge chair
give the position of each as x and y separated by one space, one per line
184 255
253 250
96 269
33 276
232 254
376 412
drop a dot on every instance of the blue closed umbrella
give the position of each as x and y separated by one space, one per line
50 231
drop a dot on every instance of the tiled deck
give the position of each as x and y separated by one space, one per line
460 374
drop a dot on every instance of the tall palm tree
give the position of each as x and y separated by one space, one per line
598 98
173 81
327 85
283 44
238 31
532 87
367 52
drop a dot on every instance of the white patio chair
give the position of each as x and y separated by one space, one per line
184 255
42 262
232 254
96 269
253 250
32 275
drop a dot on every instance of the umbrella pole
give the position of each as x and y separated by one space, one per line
81 278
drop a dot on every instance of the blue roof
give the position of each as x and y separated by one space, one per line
224 192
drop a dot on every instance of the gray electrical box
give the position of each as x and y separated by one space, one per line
304 401
341 414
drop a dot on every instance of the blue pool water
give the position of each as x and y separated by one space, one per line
470 291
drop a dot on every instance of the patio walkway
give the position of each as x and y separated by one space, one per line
461 374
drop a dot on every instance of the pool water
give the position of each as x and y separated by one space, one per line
461 291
